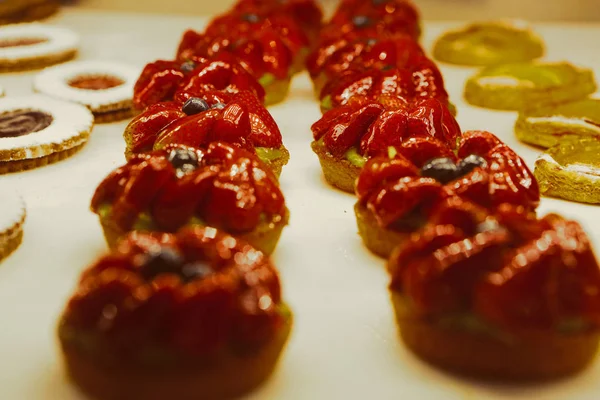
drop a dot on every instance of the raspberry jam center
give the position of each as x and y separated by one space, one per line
95 82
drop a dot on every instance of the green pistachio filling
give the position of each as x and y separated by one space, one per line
267 79
326 103
355 158
269 154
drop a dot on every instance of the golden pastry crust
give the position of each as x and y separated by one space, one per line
338 172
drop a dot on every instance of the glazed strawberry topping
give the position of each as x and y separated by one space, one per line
189 294
509 268
198 77
243 121
305 12
224 186
424 170
373 127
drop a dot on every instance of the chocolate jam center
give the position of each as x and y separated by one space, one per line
23 122
18 42
95 82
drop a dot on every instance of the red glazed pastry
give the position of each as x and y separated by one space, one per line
225 187
306 13
242 121
195 315
346 137
167 80
504 296
333 56
396 194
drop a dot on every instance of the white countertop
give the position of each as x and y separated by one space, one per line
344 344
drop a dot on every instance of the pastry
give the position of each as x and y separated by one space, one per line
346 137
548 126
504 296
174 80
571 170
105 88
33 46
224 187
520 86
332 56
396 191
242 120
195 315
37 130
306 13
19 11
12 218
489 43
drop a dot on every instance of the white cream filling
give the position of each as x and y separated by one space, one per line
58 40
503 81
563 121
591 173
54 82
69 121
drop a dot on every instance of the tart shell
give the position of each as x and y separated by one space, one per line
380 241
338 172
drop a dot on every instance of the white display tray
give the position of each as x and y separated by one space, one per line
344 344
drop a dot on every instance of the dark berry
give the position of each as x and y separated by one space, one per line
218 106
471 162
183 160
195 105
188 66
361 21
441 169
197 270
164 260
252 18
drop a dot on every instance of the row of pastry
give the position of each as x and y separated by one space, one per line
187 303
480 283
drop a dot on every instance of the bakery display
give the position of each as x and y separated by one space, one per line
12 218
505 295
489 43
571 170
520 86
548 126
103 87
37 130
34 46
225 187
242 121
194 315
397 191
346 137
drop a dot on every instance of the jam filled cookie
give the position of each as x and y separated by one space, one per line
504 296
34 46
548 126
37 130
105 88
397 191
488 43
19 11
521 86
571 170
12 218
195 315
225 187
242 121
346 137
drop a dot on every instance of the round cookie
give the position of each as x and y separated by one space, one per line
37 130
12 218
571 170
106 88
548 126
520 86
489 43
32 46
13 11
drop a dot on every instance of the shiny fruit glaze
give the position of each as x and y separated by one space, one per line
194 293
305 12
509 268
197 77
223 186
242 120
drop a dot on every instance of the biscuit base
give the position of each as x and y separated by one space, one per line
378 240
107 117
226 378
35 63
7 167
338 172
34 12
531 356
555 181
11 243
